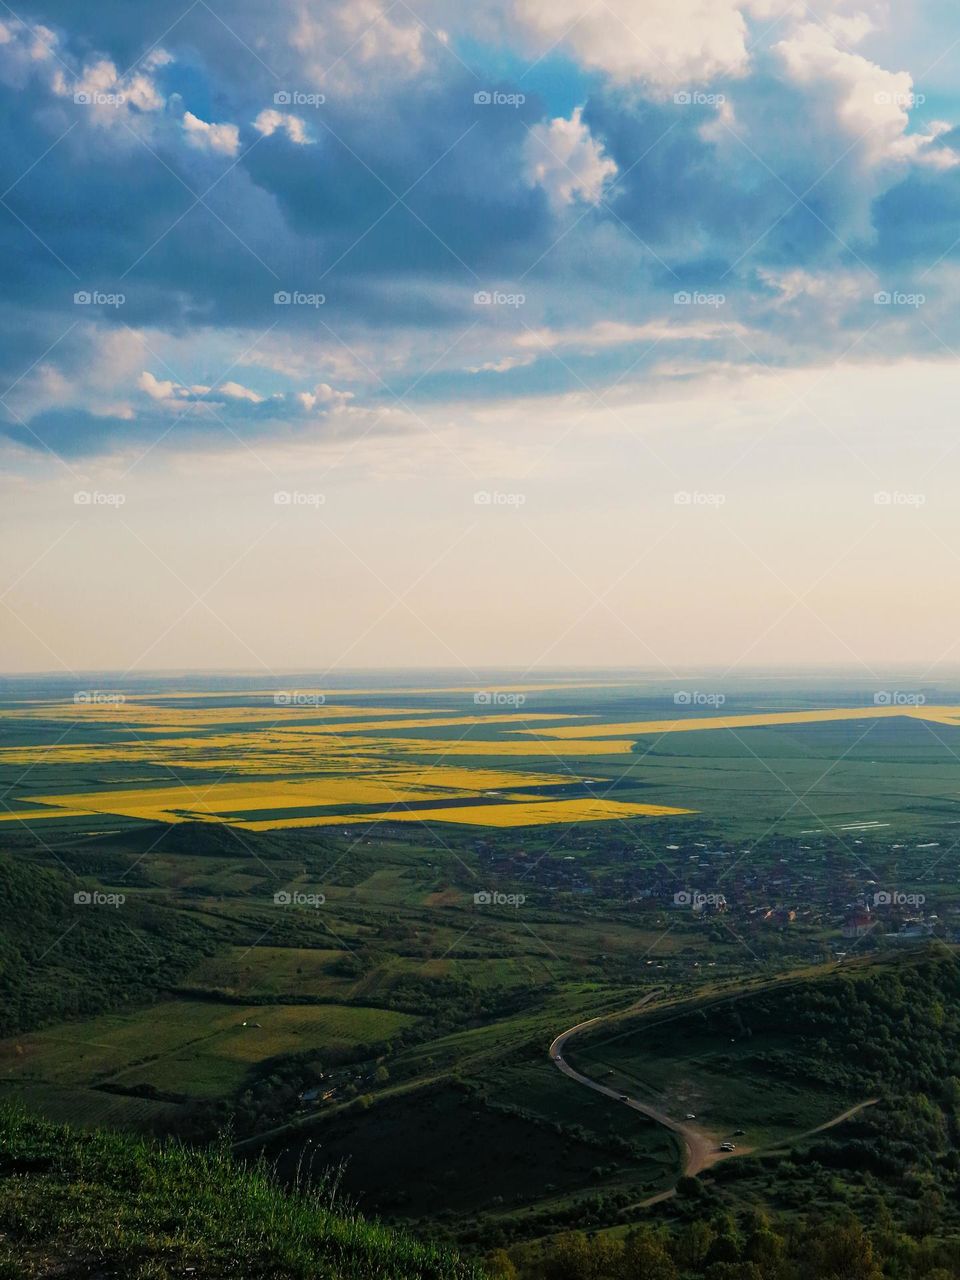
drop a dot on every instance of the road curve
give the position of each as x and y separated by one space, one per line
700 1147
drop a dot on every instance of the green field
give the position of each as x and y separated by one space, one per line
193 1048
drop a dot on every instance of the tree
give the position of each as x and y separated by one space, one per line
694 1244
500 1267
645 1258
842 1251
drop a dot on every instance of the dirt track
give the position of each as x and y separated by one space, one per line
700 1146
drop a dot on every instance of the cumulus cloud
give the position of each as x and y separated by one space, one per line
567 161
174 394
268 122
705 191
223 138
168 390
665 43
99 85
867 102
341 44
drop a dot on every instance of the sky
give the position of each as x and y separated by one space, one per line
536 333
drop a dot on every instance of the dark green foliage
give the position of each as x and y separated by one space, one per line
61 960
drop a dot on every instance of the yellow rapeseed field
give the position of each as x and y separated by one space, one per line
265 760
537 812
637 728
197 800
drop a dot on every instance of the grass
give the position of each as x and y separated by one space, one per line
96 1203
668 1057
197 1048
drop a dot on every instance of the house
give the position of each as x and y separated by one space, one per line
858 923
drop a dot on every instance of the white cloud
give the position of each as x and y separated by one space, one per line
154 388
166 389
827 286
867 102
322 398
565 160
269 121
664 43
224 138
502 366
107 92
25 43
613 333
236 391
340 47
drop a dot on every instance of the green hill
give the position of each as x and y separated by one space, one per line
78 1204
60 959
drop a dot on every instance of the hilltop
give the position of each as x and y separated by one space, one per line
86 1204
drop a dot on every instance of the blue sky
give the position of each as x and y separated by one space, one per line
595 256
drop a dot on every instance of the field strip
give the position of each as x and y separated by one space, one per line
163 701
516 814
31 815
637 728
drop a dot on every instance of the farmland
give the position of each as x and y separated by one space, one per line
528 755
323 915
